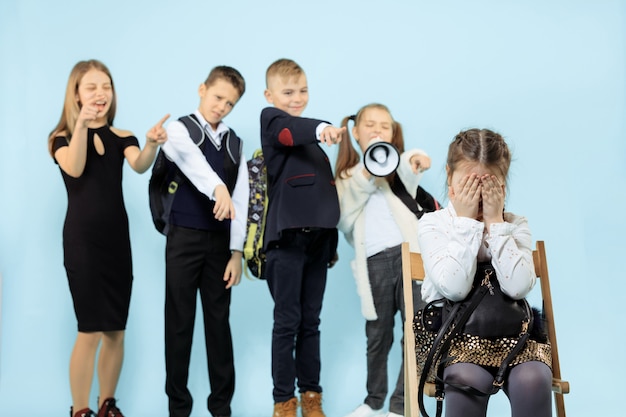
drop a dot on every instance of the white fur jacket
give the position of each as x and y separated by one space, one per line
354 192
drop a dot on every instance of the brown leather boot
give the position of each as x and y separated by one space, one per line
311 404
287 408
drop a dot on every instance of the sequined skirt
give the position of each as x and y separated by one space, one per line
466 348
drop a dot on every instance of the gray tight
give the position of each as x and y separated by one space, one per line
528 386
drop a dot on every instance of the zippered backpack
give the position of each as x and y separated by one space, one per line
166 176
257 213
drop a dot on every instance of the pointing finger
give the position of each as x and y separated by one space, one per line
163 119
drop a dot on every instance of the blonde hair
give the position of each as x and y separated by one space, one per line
71 106
347 156
283 68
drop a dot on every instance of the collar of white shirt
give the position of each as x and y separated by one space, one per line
215 135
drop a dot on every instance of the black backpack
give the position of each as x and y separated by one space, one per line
166 176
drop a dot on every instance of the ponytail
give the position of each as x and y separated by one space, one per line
348 156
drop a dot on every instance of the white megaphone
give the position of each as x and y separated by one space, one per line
381 158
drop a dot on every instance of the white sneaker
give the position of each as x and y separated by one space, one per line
365 410
390 414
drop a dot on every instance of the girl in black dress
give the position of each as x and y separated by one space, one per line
90 153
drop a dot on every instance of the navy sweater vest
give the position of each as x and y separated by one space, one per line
194 210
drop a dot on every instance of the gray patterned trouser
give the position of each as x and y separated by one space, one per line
385 274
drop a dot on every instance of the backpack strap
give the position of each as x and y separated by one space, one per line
234 146
423 202
232 158
449 329
196 132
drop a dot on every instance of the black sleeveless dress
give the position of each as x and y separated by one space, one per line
96 242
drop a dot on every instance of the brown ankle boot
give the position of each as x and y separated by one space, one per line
311 404
287 408
85 412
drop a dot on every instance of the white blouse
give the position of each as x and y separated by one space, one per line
451 246
382 230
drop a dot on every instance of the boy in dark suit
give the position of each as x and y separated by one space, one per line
205 243
300 236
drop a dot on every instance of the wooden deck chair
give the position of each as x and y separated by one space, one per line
413 269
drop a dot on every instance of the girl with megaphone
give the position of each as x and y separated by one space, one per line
381 202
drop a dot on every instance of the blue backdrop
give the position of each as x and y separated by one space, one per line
548 75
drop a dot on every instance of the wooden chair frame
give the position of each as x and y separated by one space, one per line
413 269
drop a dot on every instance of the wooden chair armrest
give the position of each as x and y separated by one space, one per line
559 386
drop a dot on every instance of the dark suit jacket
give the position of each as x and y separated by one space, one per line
301 186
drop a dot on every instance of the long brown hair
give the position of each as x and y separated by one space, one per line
71 106
348 156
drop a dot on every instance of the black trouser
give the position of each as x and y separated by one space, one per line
196 261
296 275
